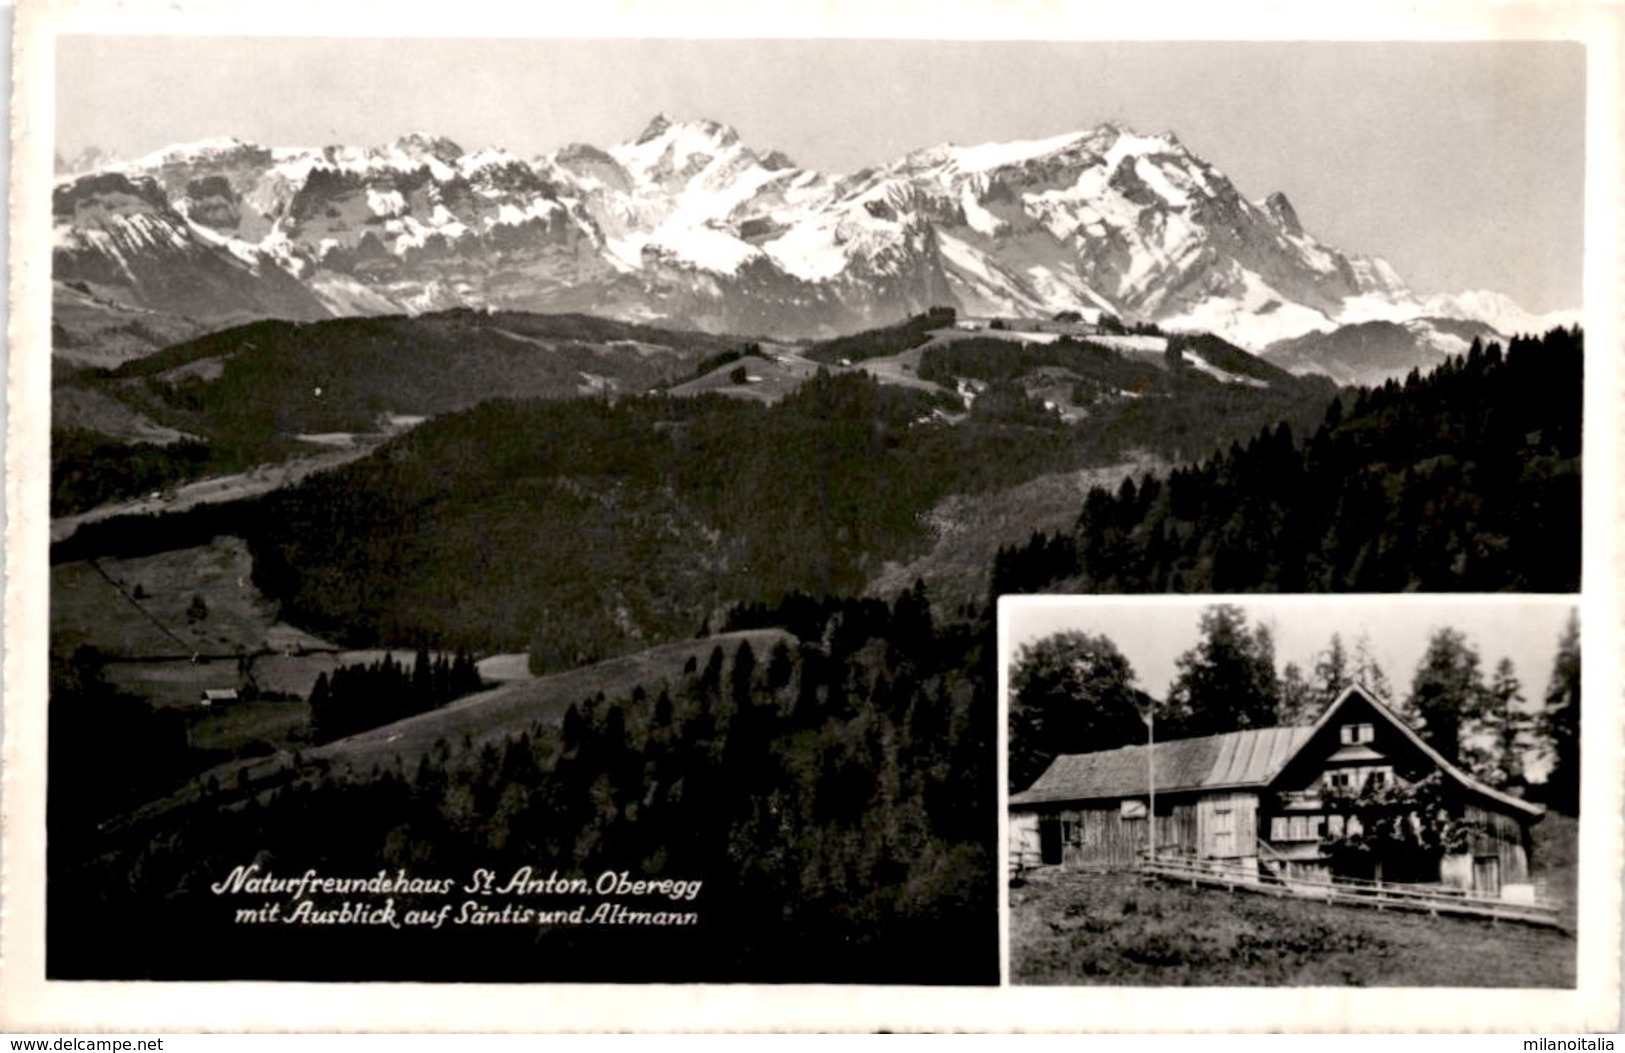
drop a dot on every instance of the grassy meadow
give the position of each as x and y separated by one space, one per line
1075 927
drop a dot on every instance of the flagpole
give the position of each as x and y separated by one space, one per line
1151 775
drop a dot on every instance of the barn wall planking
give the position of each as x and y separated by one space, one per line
1098 835
1503 837
1227 825
1095 833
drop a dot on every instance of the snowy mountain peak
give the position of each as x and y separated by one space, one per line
681 155
1281 210
1497 310
1106 145
689 225
423 145
989 156
107 191
1120 141
218 150
707 134
89 159
777 160
656 128
574 153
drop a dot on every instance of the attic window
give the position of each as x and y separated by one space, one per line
1355 734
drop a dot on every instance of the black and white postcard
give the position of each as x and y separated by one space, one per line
507 515
1294 791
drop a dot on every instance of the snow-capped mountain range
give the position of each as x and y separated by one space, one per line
688 226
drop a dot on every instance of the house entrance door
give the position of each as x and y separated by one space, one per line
1049 841
1487 875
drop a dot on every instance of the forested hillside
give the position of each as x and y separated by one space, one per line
245 393
889 340
1467 479
834 797
581 528
1148 401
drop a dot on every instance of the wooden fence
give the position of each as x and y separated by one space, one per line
1426 899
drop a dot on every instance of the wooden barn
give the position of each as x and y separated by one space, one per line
1259 799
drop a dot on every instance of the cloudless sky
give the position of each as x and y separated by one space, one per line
1153 633
1461 163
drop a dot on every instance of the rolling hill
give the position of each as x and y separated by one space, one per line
274 390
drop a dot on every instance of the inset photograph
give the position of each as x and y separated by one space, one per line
1285 791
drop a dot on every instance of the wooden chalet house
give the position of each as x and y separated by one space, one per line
1255 800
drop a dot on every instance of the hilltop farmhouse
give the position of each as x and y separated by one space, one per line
1262 800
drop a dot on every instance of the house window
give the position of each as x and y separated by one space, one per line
1133 809
1355 734
1279 828
1339 780
1334 826
1376 780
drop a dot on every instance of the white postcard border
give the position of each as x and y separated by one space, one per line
28 1002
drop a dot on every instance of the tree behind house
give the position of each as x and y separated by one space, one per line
1300 705
1069 693
1560 722
1447 694
1511 726
1227 682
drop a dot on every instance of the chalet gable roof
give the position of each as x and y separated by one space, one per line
1461 778
1233 760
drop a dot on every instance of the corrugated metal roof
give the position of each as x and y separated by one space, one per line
1237 758
1254 757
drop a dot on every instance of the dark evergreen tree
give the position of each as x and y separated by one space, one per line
1299 702
1332 673
1227 682
1368 672
422 680
321 714
1510 725
1560 722
1447 693
780 667
742 675
710 682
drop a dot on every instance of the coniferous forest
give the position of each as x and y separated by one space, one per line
358 697
1463 480
834 796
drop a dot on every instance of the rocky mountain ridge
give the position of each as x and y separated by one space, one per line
686 225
